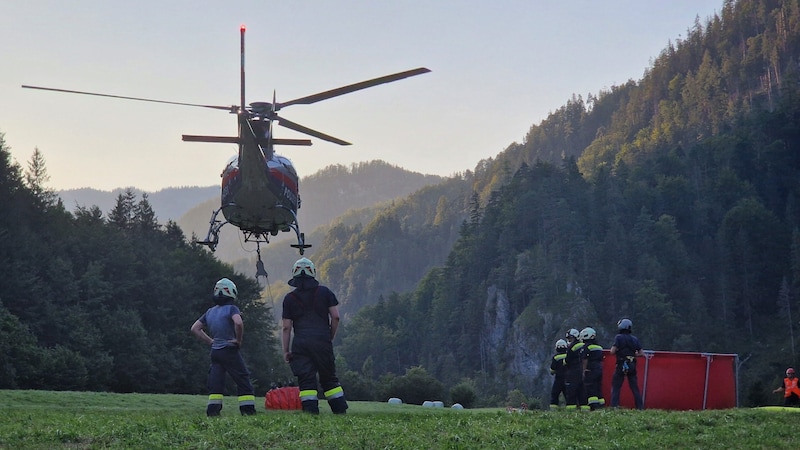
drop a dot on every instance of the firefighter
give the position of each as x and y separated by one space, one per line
626 349
311 311
573 376
790 389
558 370
224 321
592 368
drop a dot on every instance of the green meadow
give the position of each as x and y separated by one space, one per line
88 420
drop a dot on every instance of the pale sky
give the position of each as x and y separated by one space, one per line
498 67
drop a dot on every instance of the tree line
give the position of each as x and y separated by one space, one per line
94 302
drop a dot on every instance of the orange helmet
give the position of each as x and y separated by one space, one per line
789 372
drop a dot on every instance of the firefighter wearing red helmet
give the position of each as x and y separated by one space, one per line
790 389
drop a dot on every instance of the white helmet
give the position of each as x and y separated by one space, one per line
225 288
561 344
573 333
304 266
588 333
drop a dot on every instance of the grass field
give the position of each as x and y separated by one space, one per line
84 420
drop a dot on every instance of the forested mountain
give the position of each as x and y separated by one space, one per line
324 196
394 249
168 204
672 200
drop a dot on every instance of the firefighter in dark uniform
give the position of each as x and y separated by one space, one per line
573 377
310 310
592 369
558 370
626 349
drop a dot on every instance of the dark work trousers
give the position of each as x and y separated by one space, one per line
575 392
229 360
559 387
592 381
619 377
312 356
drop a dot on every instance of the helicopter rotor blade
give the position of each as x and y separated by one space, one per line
352 88
305 130
232 108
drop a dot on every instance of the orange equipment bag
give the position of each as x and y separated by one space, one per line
283 398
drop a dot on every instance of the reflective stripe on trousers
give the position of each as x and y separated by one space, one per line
334 393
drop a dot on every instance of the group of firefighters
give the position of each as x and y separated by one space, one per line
578 368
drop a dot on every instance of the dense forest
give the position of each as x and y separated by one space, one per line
93 302
672 200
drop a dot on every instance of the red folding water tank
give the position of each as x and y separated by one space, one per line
678 380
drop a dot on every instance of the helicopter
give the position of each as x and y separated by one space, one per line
260 188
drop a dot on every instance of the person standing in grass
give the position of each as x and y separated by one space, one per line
790 389
558 370
224 321
311 311
626 349
592 368
573 378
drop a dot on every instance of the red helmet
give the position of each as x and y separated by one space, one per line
789 371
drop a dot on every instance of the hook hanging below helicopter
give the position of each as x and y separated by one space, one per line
260 270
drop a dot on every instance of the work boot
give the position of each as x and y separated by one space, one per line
213 410
311 406
338 405
248 410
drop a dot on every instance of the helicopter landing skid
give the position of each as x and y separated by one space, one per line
212 238
301 245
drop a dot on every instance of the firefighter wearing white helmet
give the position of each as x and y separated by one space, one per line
559 370
573 377
592 368
626 349
572 335
224 321
311 312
